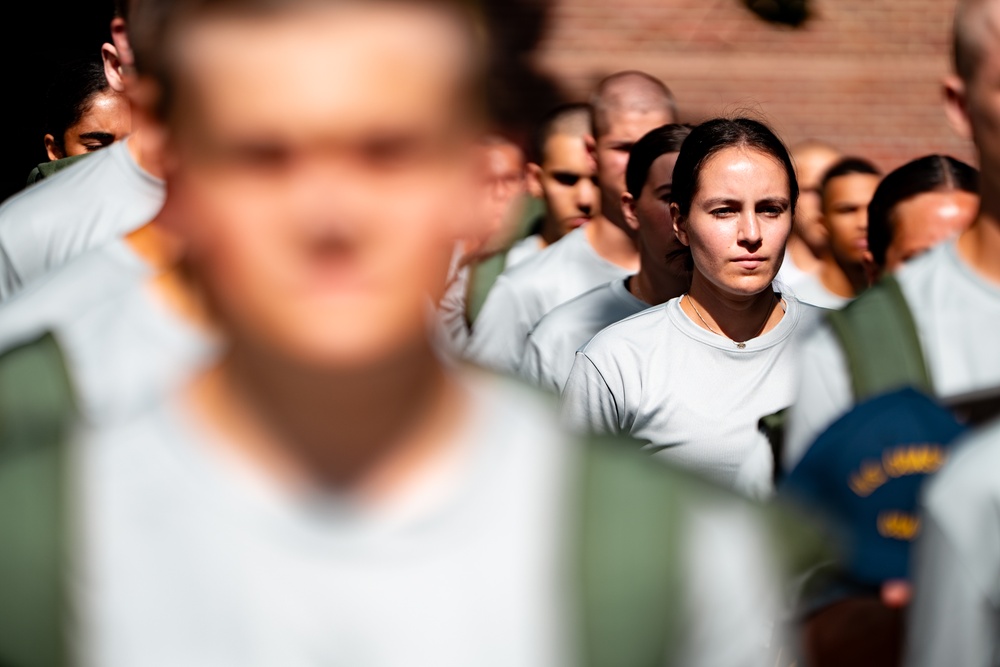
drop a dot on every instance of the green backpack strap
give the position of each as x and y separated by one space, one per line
484 274
880 340
631 569
36 411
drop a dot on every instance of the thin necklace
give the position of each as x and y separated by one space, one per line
740 344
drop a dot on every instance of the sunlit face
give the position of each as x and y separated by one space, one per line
612 150
739 221
321 171
106 120
503 183
923 221
653 209
982 96
845 215
567 180
811 164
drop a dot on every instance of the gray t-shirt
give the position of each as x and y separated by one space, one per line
122 347
957 316
552 344
525 248
810 289
192 557
521 296
82 207
691 395
955 615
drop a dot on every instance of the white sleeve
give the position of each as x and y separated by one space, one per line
588 403
954 618
500 330
732 595
824 394
533 368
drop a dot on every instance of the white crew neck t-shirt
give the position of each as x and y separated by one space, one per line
191 556
521 296
552 344
957 315
690 395
81 207
810 289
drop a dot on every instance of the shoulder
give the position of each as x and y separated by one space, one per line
968 482
640 331
587 305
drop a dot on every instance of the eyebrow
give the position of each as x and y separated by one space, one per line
730 201
101 136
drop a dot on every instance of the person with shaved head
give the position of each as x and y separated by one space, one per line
626 106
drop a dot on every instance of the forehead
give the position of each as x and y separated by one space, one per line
812 163
360 66
662 169
740 171
631 124
852 185
565 151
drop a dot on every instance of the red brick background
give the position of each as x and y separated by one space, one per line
862 74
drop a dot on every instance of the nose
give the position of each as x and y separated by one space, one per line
749 232
586 195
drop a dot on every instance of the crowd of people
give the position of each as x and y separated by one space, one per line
304 362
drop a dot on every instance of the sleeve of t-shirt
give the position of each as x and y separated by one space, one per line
588 403
500 331
533 368
732 594
824 394
954 615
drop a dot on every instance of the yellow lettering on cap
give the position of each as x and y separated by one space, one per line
918 459
898 525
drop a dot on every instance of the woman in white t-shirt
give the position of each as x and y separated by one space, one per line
693 377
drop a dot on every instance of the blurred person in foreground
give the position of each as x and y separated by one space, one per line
932 323
330 483
846 190
919 205
808 240
552 344
89 203
626 105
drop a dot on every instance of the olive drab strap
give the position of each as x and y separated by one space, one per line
36 410
631 583
880 340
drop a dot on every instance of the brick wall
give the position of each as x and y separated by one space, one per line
862 74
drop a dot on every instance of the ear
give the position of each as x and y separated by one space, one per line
52 148
680 225
119 35
956 105
591 144
534 180
628 211
112 67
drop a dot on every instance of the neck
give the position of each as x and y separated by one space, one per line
156 246
801 255
979 245
739 318
843 279
656 283
612 243
550 232
367 430
141 148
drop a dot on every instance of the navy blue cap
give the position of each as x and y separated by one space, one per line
864 474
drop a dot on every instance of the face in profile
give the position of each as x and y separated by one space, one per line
925 220
567 181
106 120
739 220
319 171
652 209
845 215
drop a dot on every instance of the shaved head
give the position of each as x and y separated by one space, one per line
630 92
570 120
975 23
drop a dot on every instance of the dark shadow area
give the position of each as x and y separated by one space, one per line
51 33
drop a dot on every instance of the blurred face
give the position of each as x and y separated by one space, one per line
317 170
845 215
504 181
612 149
982 98
811 164
739 221
653 209
106 120
923 221
567 181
